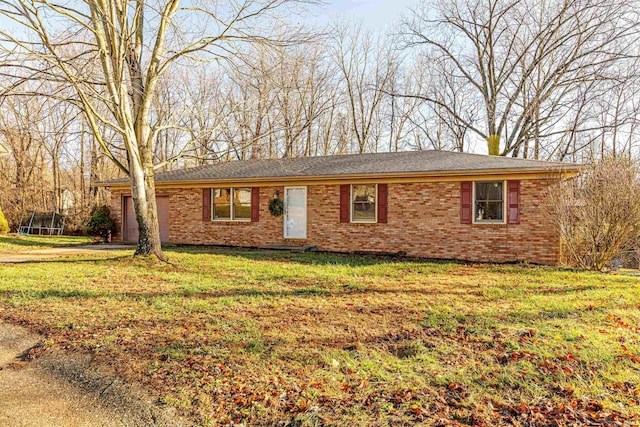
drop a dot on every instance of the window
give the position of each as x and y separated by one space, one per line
488 202
363 203
231 204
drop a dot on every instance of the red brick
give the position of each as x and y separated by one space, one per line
423 221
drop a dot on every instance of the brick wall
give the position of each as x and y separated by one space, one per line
423 220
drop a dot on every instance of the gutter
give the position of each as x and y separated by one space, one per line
539 173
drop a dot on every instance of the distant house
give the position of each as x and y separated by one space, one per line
432 204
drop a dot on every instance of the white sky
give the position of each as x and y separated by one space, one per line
379 15
373 13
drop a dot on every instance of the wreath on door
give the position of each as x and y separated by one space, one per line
276 207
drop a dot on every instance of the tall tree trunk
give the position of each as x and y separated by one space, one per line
144 194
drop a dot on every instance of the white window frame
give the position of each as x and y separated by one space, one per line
375 220
504 203
232 209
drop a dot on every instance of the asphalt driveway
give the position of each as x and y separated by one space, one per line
31 397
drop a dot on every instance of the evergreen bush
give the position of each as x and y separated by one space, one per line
100 224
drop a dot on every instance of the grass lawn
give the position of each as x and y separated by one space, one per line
16 242
318 339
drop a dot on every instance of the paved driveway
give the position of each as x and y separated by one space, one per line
31 397
66 390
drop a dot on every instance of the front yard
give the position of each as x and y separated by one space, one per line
318 339
21 243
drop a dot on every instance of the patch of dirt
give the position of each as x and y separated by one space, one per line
47 389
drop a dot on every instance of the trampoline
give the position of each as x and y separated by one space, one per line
41 223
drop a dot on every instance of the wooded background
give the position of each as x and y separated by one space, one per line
554 80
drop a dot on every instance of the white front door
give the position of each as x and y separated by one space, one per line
295 212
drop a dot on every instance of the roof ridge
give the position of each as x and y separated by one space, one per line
379 153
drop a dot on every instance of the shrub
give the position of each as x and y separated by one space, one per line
4 225
100 224
598 214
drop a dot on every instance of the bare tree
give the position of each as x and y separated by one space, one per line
22 171
113 54
53 163
367 64
279 94
435 125
524 61
598 215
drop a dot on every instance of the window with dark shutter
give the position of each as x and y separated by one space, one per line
363 202
489 202
513 202
465 202
232 204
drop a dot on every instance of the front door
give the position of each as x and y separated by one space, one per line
295 216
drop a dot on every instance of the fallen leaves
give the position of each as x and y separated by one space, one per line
574 412
330 341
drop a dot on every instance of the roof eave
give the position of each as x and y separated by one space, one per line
565 172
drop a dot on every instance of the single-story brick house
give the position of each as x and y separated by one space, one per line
432 204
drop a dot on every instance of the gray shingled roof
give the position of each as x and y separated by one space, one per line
410 162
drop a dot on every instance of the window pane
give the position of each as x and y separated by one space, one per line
241 203
489 191
495 191
222 211
242 195
241 211
481 190
221 195
221 203
364 193
363 206
488 211
364 212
